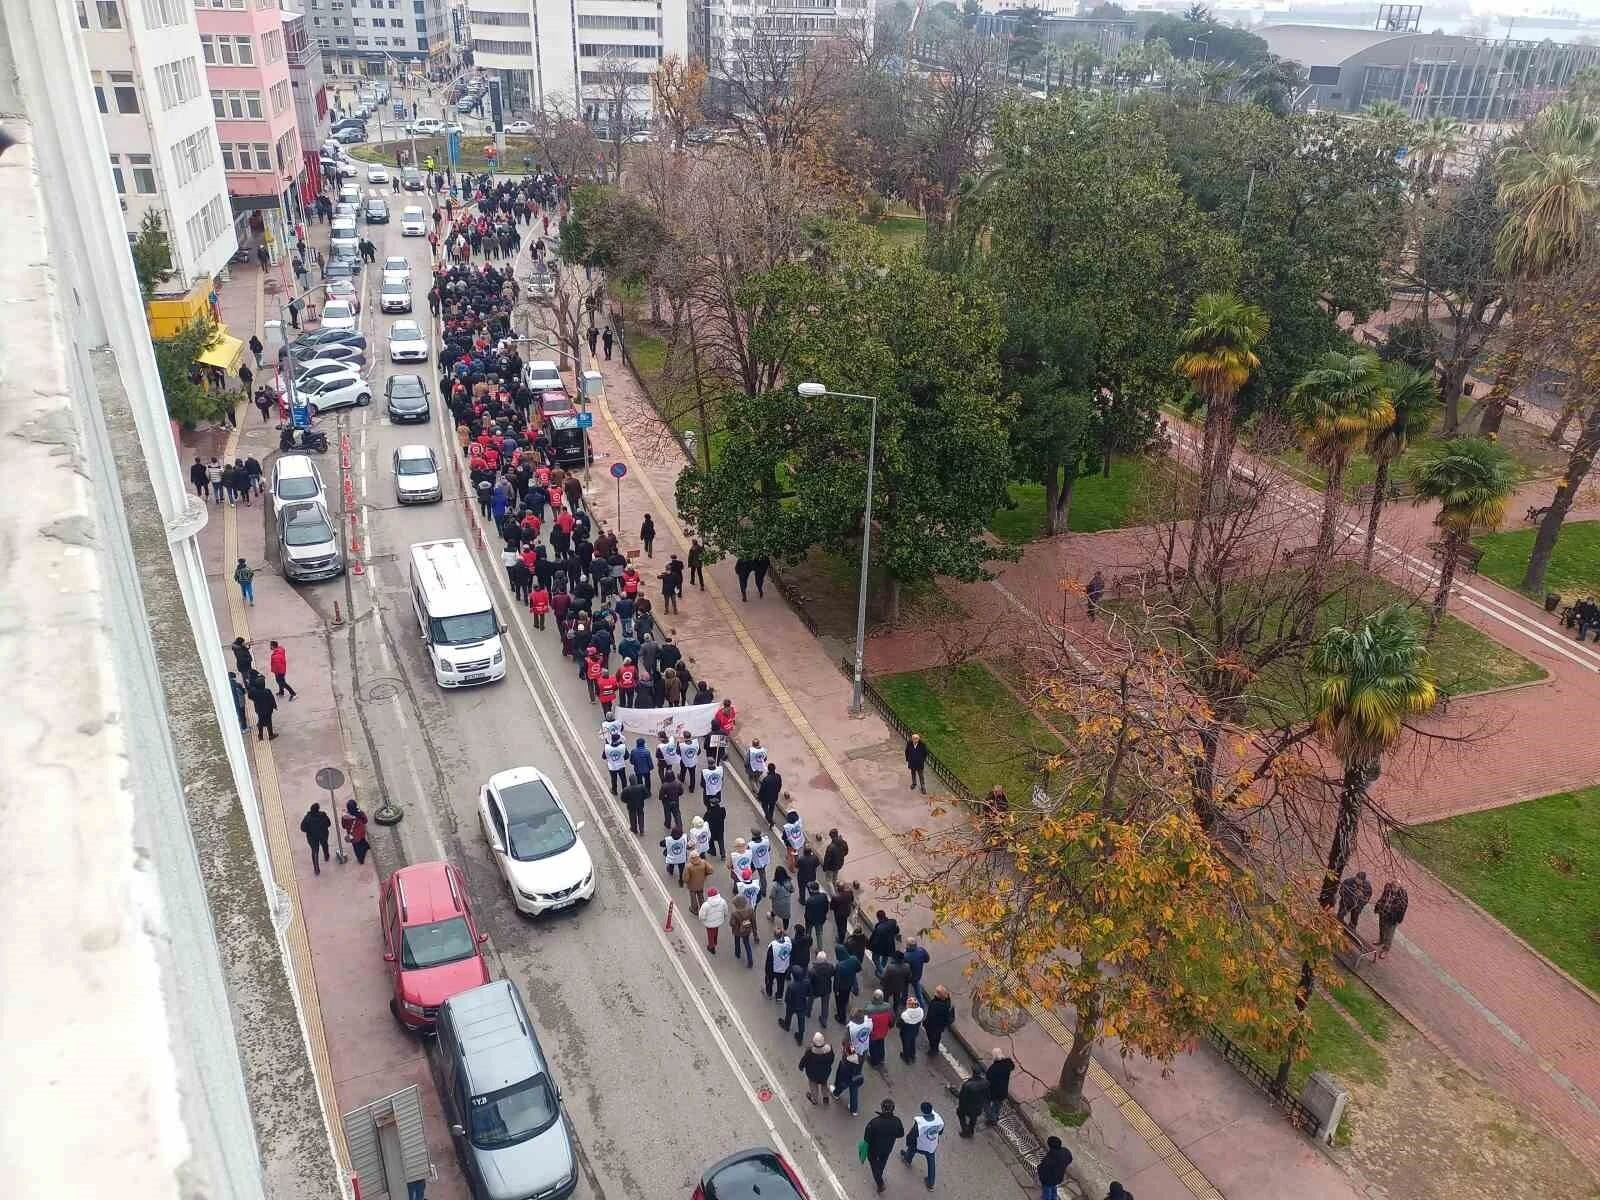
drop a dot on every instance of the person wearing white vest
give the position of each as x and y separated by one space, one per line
739 861
615 755
779 951
859 1029
700 836
745 885
923 1138
755 761
675 850
760 856
689 756
794 836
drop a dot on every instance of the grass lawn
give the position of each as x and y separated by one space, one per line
971 721
1535 866
472 156
673 398
1098 502
902 229
1574 567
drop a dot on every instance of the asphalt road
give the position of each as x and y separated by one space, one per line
668 1059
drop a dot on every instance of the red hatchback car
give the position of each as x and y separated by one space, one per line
430 941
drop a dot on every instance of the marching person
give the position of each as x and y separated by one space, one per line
713 914
817 1063
882 1135
926 1128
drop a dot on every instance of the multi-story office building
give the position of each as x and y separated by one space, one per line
578 56
732 27
247 70
374 37
149 83
310 90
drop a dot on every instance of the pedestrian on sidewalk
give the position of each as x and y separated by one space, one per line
769 788
847 1077
257 349
878 1140
926 1128
355 829
238 691
1354 895
242 659
1118 1192
916 958
916 760
881 1013
198 477
607 340
1391 910
742 568
315 825
695 875
713 914
263 400
214 480
759 568
634 796
244 575
697 564
247 378
671 585
941 1015
675 850
278 661
261 696
843 905
1092 593
1052 1168
294 313
999 1075
833 857
970 1099
647 536
742 922
817 1063
911 1018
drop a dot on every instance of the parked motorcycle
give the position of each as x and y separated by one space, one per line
311 440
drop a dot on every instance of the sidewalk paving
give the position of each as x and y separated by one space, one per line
849 774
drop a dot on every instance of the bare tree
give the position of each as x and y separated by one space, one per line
954 111
678 86
789 90
565 143
620 90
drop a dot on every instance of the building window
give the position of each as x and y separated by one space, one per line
613 50
127 95
99 90
206 226
593 21
510 18
110 14
144 174
271 45
397 23
192 155
116 175
226 149
177 82
263 155
158 14
280 96
83 15
223 50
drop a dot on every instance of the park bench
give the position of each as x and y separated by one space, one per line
1467 561
1536 514
1299 554
1357 949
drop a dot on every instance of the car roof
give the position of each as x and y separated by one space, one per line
294 466
411 210
405 327
544 364
413 375
416 450
344 304
427 892
747 1175
388 263
495 1036
306 508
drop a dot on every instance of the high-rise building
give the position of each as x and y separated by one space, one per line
381 37
150 86
580 57
247 70
732 28
310 90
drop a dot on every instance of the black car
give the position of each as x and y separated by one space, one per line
406 397
307 343
341 268
376 211
749 1174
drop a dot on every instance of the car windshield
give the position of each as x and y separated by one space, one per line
306 527
412 214
415 466
377 206
405 333
440 942
757 1175
535 824
300 487
397 264
335 308
405 387
513 1114
395 287
337 270
463 630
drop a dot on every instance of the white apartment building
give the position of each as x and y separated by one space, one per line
571 55
366 37
731 26
149 80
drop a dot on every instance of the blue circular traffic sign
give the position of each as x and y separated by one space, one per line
618 470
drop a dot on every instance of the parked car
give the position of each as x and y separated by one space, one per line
699 136
295 479
349 193
308 542
376 211
341 268
323 368
413 222
518 128
427 125
750 1173
338 314
534 841
431 941
377 174
346 290
303 345
395 296
335 391
396 270
351 134
407 343
416 475
346 353
555 402
541 375
406 397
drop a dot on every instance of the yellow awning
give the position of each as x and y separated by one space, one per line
225 352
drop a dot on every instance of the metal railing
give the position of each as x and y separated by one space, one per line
937 765
1265 1081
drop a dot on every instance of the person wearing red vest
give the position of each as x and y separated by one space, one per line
630 583
592 670
627 681
539 604
606 689
531 525
564 518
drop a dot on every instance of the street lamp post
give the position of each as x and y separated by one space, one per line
857 692
286 356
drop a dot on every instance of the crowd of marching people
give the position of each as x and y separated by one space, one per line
819 959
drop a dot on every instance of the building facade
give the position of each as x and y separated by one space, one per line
578 56
1429 74
310 90
381 37
247 70
733 26
149 82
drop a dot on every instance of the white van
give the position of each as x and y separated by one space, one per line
344 239
455 614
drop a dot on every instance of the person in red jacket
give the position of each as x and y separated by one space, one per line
592 670
539 604
606 689
630 583
627 681
278 661
531 524
564 519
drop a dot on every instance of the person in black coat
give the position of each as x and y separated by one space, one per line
315 825
647 535
770 791
999 1073
970 1099
265 703
941 1015
241 657
884 942
742 567
1052 1168
882 1135
916 761
817 1063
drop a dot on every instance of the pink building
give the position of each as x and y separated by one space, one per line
247 71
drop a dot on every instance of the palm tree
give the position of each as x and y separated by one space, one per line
1386 110
1371 679
1337 404
1471 479
1218 356
1433 142
1413 394
1550 184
